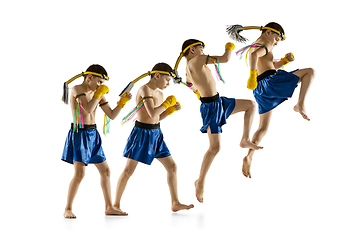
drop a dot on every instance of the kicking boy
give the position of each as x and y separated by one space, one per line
214 109
272 86
146 139
83 143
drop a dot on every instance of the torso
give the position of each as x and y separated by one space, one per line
266 62
200 75
88 118
157 97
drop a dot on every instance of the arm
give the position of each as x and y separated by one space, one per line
149 103
278 65
289 57
253 58
254 54
89 107
113 113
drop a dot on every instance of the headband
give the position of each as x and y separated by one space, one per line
178 79
131 84
65 98
234 32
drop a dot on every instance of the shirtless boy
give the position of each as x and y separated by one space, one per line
214 109
146 140
273 86
83 144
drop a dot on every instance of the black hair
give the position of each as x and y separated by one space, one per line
275 26
188 43
96 68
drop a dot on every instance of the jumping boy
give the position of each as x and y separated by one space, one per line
146 140
83 143
272 86
214 109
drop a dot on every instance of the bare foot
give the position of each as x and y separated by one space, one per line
248 144
69 214
199 192
115 211
246 166
302 111
178 206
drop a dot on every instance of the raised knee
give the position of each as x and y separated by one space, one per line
252 105
311 72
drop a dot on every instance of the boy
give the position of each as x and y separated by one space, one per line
214 109
146 139
273 86
83 144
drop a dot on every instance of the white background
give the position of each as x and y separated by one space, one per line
305 181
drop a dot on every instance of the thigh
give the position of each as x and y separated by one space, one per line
79 166
242 105
302 72
167 162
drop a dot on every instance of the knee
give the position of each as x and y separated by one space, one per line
215 148
252 105
128 171
311 72
106 172
173 168
79 175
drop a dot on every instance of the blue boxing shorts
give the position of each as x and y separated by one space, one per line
214 112
83 146
145 143
273 88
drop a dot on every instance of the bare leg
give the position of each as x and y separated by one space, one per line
249 107
214 148
104 171
258 135
306 77
123 179
73 188
170 167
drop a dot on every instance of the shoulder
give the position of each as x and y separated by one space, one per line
76 90
145 91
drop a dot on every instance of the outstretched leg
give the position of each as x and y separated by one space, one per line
170 167
249 107
104 171
123 179
258 135
73 188
306 75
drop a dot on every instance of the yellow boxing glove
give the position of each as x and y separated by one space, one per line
169 102
101 90
172 109
285 59
229 46
123 100
197 94
252 81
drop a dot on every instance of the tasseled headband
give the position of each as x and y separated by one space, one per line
235 30
131 84
178 79
65 97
